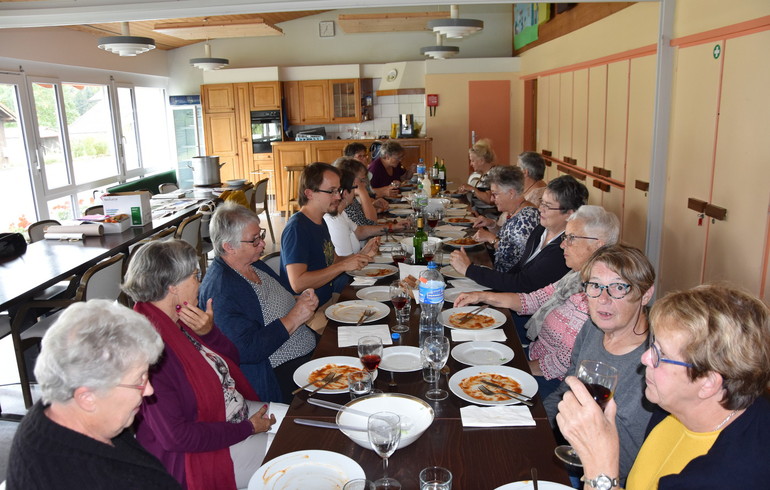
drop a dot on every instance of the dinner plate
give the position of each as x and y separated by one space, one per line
351 311
401 359
383 259
481 353
450 243
465 223
455 212
450 271
235 182
451 294
400 206
449 234
401 212
458 205
525 380
527 485
374 293
370 270
302 373
311 468
498 317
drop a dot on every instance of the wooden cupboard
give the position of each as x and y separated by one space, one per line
327 101
218 97
264 96
221 131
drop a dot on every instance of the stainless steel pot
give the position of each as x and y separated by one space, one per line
206 170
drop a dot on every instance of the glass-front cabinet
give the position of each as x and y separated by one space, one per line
346 100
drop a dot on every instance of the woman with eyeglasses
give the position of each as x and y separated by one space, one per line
558 310
362 209
264 320
706 367
92 373
482 160
542 262
387 168
618 282
205 422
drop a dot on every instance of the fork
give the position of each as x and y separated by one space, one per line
470 314
326 379
489 392
366 314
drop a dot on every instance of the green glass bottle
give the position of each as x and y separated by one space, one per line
420 237
442 175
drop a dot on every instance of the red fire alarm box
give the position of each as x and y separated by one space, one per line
432 100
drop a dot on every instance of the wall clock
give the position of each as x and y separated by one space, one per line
392 75
326 28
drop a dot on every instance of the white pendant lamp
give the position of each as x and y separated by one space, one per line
439 52
209 63
454 27
126 45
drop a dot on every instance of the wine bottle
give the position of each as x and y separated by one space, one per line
420 237
442 175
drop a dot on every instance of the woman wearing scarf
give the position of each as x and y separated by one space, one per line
205 422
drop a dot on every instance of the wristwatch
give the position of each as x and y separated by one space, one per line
602 482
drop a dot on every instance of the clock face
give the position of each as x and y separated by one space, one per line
326 28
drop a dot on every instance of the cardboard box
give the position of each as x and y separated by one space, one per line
119 227
135 204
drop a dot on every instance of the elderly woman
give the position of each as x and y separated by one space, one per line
542 262
362 209
482 160
92 374
558 310
618 284
253 308
533 166
205 423
521 217
386 169
706 368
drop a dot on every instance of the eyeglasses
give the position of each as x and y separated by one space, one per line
257 239
568 239
198 275
497 194
656 359
549 208
331 191
136 387
616 290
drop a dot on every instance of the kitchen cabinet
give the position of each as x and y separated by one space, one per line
221 140
314 101
345 101
327 101
219 97
264 96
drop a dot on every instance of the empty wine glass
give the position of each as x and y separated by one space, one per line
384 430
436 349
399 295
600 379
370 351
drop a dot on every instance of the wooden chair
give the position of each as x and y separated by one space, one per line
260 199
36 230
94 210
189 230
292 193
273 260
101 281
167 187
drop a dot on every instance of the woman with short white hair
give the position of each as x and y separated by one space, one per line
93 374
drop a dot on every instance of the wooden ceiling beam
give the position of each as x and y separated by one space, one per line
206 29
388 22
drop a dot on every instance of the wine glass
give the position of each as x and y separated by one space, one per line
436 349
600 379
384 430
370 352
433 219
398 254
399 295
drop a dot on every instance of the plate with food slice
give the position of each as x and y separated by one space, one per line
375 270
465 384
455 212
486 319
316 370
480 353
458 221
465 242
351 311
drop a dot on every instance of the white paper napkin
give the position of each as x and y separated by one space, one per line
468 285
405 270
348 336
363 281
494 335
498 416
279 410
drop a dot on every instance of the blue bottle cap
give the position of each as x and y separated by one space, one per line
395 337
432 265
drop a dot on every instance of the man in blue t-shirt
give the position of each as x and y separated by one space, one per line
308 259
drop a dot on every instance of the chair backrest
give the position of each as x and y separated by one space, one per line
189 230
273 260
260 194
250 193
293 180
102 281
165 234
36 231
99 209
167 187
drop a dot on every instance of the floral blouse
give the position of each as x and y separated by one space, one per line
356 214
513 238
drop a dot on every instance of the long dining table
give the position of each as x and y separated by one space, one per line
479 458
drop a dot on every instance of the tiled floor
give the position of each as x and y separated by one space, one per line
10 393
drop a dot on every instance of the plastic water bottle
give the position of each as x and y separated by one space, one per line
431 301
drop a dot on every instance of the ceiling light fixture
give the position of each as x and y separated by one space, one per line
454 27
440 52
126 45
209 63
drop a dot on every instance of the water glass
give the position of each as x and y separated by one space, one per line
359 484
435 478
429 375
359 384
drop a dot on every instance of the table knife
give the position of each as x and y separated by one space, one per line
522 397
336 406
327 425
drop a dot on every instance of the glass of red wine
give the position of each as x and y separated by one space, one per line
370 352
600 379
398 254
433 219
399 296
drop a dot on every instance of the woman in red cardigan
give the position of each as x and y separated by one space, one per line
205 422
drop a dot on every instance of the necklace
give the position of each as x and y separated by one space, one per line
724 421
512 214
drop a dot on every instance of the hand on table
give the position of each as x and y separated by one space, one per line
200 321
472 298
260 422
483 222
460 261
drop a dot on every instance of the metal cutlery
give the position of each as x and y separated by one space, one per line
470 314
364 316
327 379
324 385
533 472
328 425
336 406
489 392
510 393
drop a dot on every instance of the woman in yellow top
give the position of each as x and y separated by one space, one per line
708 366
